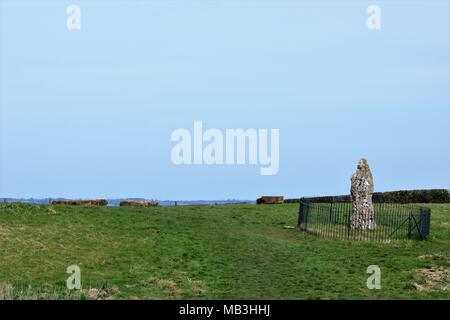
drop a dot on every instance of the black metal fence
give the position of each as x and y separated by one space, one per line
393 221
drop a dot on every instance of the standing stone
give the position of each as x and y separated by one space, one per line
361 192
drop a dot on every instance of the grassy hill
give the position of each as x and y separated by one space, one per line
207 252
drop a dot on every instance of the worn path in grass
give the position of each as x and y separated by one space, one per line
211 252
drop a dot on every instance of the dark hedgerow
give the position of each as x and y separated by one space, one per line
402 196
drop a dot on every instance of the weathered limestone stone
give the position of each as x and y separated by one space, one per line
361 193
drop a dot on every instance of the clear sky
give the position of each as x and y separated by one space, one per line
89 113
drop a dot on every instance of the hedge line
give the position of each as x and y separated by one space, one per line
402 196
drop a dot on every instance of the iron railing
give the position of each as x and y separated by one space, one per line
393 221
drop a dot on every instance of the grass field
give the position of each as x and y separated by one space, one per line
208 252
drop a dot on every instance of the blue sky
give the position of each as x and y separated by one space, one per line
89 113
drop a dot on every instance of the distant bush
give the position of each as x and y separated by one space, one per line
96 202
410 196
270 200
139 203
294 200
401 196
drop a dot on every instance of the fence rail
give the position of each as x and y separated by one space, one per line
393 221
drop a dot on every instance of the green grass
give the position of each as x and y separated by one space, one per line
208 252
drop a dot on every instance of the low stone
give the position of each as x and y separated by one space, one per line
93 293
417 287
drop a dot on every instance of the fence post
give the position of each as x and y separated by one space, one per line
425 222
409 225
301 213
331 210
